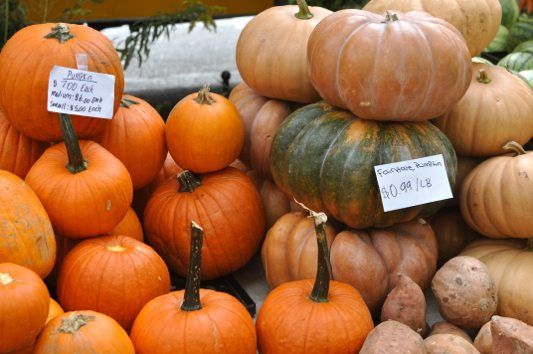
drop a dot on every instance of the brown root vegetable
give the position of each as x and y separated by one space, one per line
483 341
393 337
448 343
444 327
465 292
511 336
406 304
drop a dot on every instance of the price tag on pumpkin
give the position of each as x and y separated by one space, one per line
80 92
413 182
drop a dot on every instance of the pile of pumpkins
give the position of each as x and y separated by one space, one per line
326 97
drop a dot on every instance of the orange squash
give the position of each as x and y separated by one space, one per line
204 132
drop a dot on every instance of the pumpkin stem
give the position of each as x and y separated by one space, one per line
483 78
126 102
529 246
188 181
204 96
61 32
191 298
513 146
76 163
390 17
304 13
74 322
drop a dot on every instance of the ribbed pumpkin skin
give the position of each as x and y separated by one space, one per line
290 322
412 69
26 234
136 136
101 334
477 20
489 115
228 206
271 53
325 158
17 152
222 326
87 203
24 303
114 275
25 64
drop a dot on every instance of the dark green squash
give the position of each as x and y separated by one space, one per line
325 158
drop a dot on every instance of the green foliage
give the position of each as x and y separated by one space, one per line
335 5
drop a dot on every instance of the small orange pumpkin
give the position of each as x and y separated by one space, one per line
129 226
204 132
55 310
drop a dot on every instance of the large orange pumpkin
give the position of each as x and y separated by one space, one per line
207 321
83 187
136 136
17 152
204 132
26 234
271 52
24 304
225 202
114 275
83 332
324 316
402 67
477 20
25 64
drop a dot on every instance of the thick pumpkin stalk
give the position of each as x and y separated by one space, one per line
515 147
204 96
304 13
483 78
191 300
76 163
188 181
74 322
61 32
127 103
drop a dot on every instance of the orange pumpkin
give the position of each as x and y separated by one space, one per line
170 169
54 310
83 332
401 67
114 275
229 206
324 316
83 187
208 321
17 152
129 226
26 234
464 166
204 132
136 136
25 71
24 304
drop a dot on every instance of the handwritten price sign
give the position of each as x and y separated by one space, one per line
80 92
413 182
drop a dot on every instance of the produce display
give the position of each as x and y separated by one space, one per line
366 188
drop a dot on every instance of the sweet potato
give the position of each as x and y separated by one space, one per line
448 343
393 337
483 341
511 336
406 304
465 292
444 327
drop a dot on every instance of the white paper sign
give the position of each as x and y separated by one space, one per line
413 182
80 92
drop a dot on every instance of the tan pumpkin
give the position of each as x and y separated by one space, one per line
497 196
477 20
496 108
464 166
510 264
368 260
271 52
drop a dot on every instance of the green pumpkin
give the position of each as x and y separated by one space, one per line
510 12
526 46
520 32
325 157
518 61
499 43
527 76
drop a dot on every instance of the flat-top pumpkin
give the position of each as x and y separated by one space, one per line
114 275
400 67
477 20
204 132
271 52
194 320
25 64
228 206
24 304
26 234
325 158
83 187
497 108
136 136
